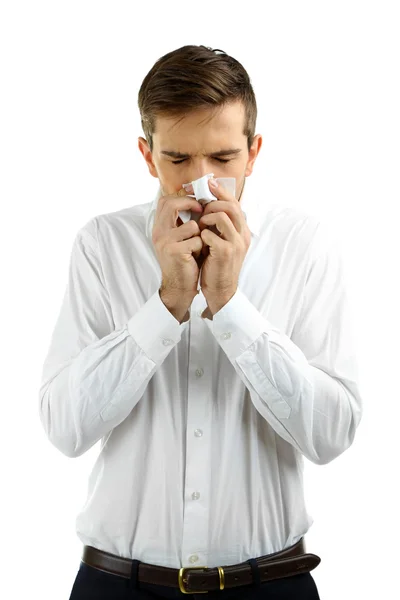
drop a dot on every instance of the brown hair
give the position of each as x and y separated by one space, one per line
193 77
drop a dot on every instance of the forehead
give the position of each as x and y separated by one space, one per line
224 122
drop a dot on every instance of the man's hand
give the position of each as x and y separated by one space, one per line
228 245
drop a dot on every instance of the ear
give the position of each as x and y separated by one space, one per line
253 153
145 150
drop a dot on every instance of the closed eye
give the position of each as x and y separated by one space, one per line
177 162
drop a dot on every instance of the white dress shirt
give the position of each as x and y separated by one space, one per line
204 424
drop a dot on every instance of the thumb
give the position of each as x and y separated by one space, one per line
178 194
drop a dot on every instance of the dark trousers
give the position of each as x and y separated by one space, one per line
93 584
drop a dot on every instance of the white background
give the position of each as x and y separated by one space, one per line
326 78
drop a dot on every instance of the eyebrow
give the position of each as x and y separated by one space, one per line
226 152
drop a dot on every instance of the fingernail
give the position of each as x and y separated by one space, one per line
213 183
188 188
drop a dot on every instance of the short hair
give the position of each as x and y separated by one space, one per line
194 77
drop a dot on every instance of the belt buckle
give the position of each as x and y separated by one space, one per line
181 580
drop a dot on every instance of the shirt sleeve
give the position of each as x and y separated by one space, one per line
305 386
93 374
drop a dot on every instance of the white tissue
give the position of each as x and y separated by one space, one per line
202 193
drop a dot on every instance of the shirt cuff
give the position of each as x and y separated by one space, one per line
155 329
237 325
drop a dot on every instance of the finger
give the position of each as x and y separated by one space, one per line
165 213
220 192
188 187
224 227
211 239
180 193
234 212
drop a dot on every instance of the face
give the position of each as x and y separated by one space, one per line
198 137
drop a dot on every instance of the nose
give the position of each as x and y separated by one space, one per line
201 166
198 174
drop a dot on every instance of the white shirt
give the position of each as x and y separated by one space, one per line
203 424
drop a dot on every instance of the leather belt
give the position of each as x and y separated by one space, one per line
192 580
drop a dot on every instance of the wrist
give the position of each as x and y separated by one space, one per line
177 306
216 303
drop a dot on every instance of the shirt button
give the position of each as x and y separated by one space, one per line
198 432
226 336
199 372
196 495
167 342
194 558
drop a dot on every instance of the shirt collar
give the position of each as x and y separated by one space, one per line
248 206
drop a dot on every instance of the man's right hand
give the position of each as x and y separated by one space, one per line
179 251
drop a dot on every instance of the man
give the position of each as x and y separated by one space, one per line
205 400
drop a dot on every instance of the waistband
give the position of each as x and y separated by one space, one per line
190 580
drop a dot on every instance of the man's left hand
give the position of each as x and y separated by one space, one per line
228 247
